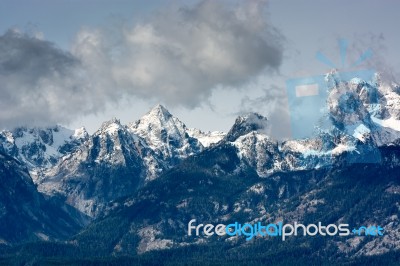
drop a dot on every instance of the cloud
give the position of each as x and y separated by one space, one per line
180 55
273 103
177 57
40 84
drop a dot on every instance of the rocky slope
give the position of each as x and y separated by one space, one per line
110 164
117 159
25 215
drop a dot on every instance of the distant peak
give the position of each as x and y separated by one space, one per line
160 111
80 133
112 121
252 118
245 124
159 107
111 126
159 124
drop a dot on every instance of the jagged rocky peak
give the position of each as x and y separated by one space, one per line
110 141
41 147
246 124
366 109
348 102
110 127
158 117
48 135
109 165
166 135
81 133
160 112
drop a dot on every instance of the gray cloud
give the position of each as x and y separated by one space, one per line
274 105
176 57
179 56
40 84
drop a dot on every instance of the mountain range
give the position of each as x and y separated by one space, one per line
130 190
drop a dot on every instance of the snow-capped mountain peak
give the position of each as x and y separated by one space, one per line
41 147
110 127
247 123
160 112
366 110
166 135
80 133
158 117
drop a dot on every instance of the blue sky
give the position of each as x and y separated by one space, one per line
304 26
60 20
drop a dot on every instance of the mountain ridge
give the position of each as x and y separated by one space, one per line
143 181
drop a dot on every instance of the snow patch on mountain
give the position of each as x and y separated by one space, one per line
80 133
206 138
41 147
391 123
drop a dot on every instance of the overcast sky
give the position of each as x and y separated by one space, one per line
83 62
